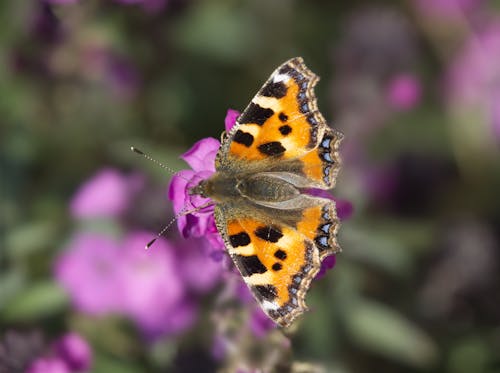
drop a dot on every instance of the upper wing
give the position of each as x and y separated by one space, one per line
282 122
279 252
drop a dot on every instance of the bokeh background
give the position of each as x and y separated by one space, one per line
415 87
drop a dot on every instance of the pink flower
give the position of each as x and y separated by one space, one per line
87 269
326 264
404 92
472 80
149 281
230 120
107 194
195 254
260 323
104 276
201 158
74 351
48 365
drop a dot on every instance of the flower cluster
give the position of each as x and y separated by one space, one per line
70 353
104 274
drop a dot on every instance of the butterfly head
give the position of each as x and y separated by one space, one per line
199 190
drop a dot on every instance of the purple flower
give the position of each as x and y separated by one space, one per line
201 158
104 276
87 269
260 323
195 254
230 120
48 365
74 351
106 194
149 281
404 92
472 80
326 264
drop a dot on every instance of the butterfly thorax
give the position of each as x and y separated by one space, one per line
262 187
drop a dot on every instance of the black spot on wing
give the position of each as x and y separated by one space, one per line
244 138
265 292
272 148
268 233
285 130
249 265
277 266
239 239
283 117
273 89
255 114
280 254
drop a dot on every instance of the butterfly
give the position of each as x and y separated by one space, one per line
276 232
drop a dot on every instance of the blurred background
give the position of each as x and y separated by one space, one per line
415 87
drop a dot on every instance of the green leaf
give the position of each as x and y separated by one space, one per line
29 238
218 30
469 355
376 248
37 301
381 330
11 283
109 364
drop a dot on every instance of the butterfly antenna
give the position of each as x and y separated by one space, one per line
148 157
181 213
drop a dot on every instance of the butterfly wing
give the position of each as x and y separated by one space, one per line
279 252
282 122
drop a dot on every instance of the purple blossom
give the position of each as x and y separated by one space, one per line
404 92
195 254
74 351
201 158
48 365
230 120
260 323
149 281
472 80
106 194
87 269
326 264
104 276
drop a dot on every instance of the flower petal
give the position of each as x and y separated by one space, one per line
231 117
201 157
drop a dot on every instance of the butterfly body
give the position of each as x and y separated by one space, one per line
275 231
